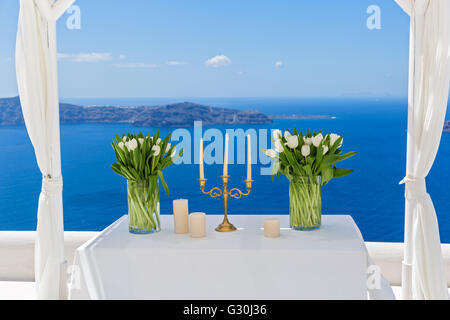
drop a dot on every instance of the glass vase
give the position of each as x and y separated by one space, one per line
143 206
305 203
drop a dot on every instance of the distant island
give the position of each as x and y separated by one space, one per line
299 116
172 115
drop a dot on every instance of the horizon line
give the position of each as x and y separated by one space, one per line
231 97
245 97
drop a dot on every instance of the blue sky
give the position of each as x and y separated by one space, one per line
160 48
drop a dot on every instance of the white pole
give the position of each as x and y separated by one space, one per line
408 249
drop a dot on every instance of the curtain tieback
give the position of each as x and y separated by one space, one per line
52 185
415 188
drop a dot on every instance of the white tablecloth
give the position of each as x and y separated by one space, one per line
328 263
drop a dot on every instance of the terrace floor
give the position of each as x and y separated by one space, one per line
16 290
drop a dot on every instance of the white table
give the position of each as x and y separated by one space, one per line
328 263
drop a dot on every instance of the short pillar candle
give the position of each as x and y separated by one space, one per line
181 216
272 227
197 224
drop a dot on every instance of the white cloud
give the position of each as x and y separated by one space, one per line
122 56
278 64
135 65
218 61
176 63
85 57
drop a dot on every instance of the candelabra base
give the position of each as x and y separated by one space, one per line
226 227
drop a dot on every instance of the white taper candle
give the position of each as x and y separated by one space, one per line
249 158
202 170
225 157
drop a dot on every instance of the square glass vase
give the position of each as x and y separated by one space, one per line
305 203
143 206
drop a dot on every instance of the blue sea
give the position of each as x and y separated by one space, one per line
94 196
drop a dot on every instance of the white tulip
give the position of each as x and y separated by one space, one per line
277 134
307 141
287 134
279 146
168 147
317 140
141 140
333 138
292 142
325 149
158 141
306 150
156 149
271 154
276 167
131 145
121 145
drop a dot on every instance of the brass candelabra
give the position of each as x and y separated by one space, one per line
226 226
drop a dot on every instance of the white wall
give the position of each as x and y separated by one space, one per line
17 255
389 255
17 252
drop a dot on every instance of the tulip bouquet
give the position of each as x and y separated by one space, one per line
141 160
308 161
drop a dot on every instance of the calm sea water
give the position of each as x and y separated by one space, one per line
94 196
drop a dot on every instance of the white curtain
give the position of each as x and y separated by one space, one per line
36 70
429 76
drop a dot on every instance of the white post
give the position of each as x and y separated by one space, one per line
408 249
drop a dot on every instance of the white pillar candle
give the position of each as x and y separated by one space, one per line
197 224
225 157
202 170
249 158
180 216
272 227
